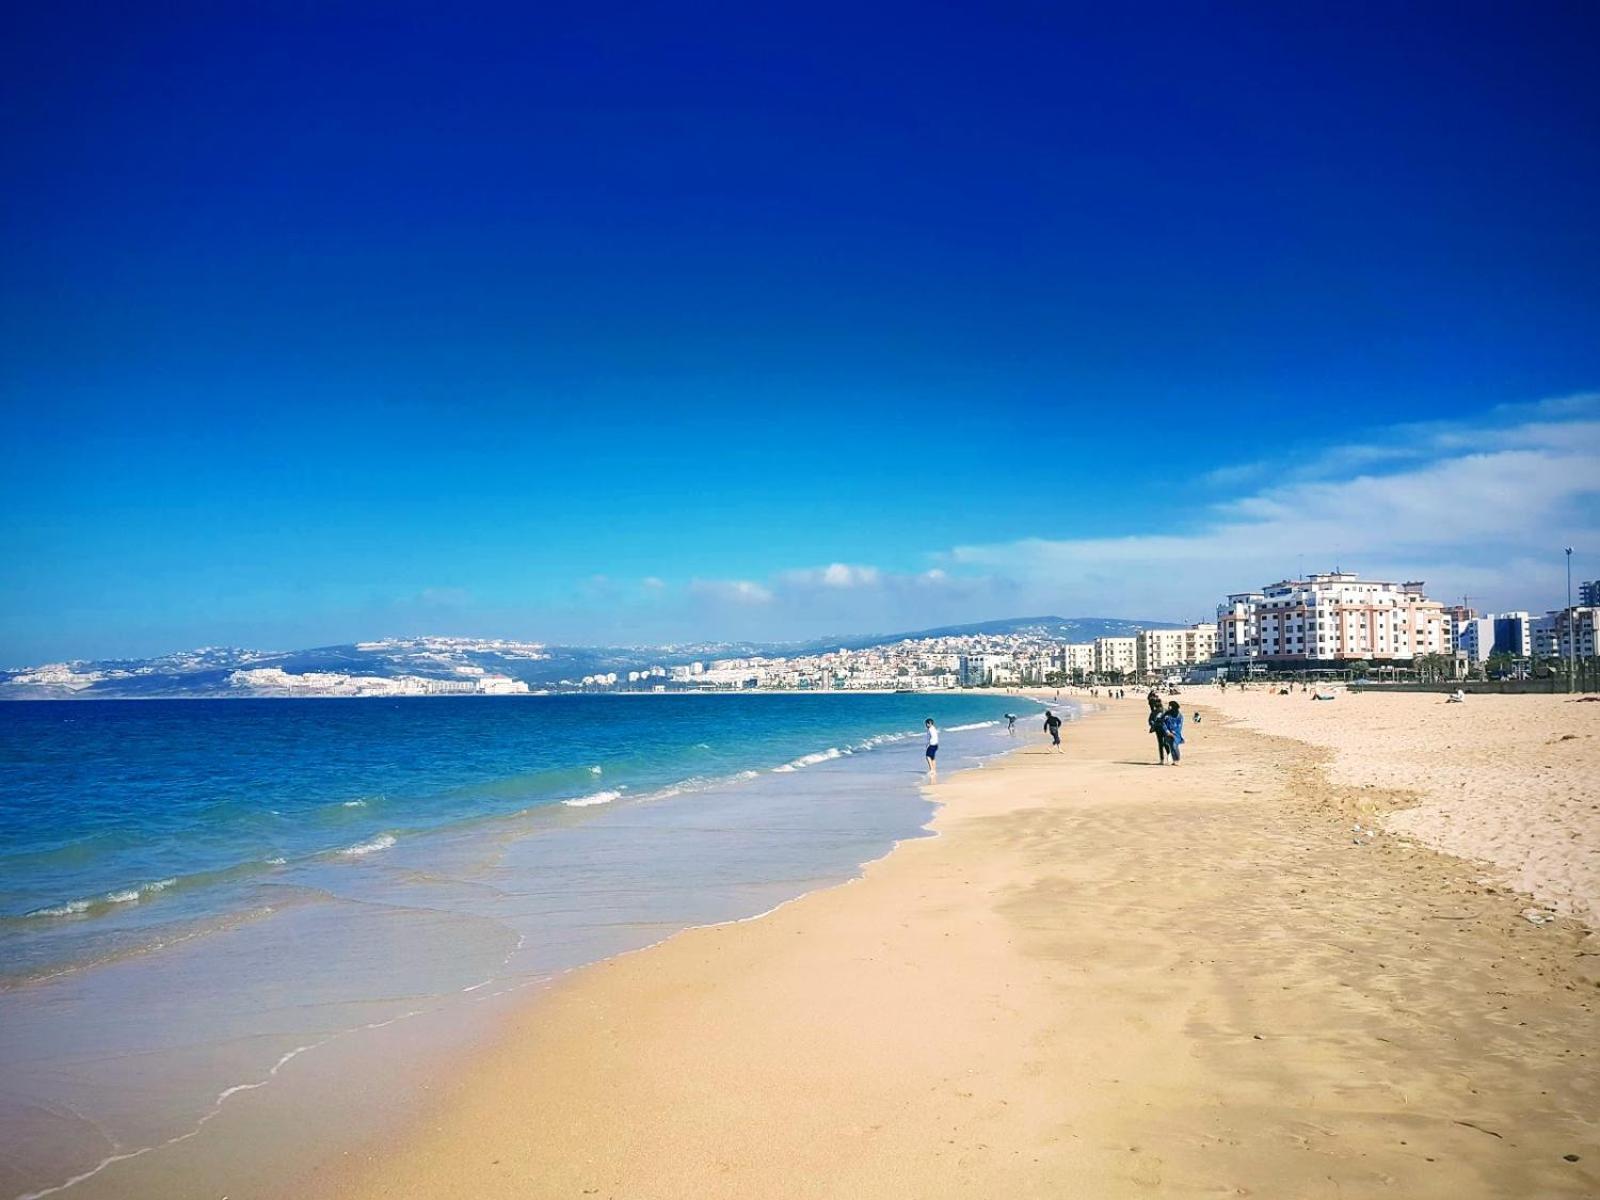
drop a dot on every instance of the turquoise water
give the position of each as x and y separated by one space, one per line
194 892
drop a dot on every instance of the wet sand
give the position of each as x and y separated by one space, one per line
1103 979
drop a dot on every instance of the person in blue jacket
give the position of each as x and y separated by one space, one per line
1172 724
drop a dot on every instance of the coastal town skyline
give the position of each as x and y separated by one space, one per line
1333 621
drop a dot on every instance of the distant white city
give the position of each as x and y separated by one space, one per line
1332 621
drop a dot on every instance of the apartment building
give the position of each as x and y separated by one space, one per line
1116 654
1474 638
1237 634
981 670
1567 633
1160 649
1333 617
1513 634
1076 656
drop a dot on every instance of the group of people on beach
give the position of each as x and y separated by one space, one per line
1167 724
1052 726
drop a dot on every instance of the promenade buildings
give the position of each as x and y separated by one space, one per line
1116 655
1332 618
1164 649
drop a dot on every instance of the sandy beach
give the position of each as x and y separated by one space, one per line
1511 780
1101 979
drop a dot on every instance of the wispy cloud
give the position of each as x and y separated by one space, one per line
734 591
1545 423
1481 509
1470 510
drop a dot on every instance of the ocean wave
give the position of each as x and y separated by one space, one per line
381 842
811 760
974 725
881 739
596 771
597 798
89 904
354 804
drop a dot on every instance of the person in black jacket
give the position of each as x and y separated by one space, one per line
1158 726
1052 726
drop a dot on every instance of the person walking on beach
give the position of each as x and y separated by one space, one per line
1173 724
1157 724
1154 701
932 752
1052 726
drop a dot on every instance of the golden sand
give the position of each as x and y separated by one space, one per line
1511 780
1102 979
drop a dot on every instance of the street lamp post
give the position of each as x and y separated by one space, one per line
1572 630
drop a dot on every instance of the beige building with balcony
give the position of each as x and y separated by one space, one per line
1161 649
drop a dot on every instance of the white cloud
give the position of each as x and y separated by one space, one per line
1545 423
1486 512
734 591
1481 509
834 575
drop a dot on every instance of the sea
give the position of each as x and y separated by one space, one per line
196 896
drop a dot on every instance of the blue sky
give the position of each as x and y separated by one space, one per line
623 324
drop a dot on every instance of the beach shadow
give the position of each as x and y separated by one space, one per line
1139 762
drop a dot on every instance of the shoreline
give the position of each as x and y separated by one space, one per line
786 1056
257 1124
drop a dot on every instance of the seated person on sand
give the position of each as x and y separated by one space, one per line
1456 697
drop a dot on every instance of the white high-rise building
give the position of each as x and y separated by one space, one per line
1077 656
1567 633
1115 654
1331 618
1475 638
1237 633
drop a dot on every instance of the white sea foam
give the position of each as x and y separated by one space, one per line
974 725
62 910
597 798
277 862
121 896
811 760
355 804
596 771
381 842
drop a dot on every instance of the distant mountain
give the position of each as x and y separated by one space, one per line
225 671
